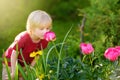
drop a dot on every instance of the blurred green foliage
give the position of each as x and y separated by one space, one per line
66 9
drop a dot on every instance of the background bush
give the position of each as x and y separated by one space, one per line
103 19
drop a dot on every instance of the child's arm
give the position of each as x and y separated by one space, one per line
13 63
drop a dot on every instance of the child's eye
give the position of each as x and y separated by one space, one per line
47 28
41 28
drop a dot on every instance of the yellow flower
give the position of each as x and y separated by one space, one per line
39 52
33 54
41 77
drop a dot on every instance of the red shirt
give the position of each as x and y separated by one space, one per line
24 43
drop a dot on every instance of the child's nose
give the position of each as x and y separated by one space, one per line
46 30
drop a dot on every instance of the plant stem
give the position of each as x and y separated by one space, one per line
83 58
90 60
58 65
49 54
55 48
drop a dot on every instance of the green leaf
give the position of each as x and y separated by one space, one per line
22 72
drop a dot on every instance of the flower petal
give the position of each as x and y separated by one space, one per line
33 54
39 52
50 36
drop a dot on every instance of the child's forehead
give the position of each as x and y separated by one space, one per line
45 25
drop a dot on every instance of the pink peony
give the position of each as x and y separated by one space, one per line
86 48
50 36
111 54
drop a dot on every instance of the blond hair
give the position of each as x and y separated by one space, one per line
38 18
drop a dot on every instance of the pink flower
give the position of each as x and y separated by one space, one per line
111 54
50 36
86 48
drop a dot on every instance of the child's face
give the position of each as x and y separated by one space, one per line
39 32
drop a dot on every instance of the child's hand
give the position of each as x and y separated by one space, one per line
12 76
6 77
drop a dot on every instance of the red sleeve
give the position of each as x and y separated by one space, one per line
16 45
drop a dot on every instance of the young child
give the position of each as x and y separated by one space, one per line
38 23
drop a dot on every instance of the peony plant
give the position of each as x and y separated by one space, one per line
91 62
